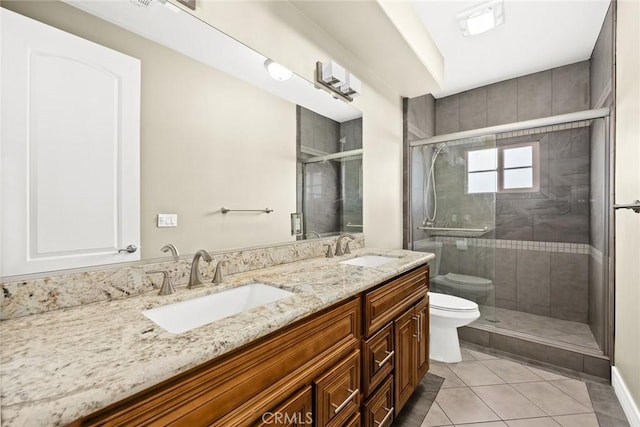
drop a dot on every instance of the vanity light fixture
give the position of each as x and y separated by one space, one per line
481 18
276 71
338 80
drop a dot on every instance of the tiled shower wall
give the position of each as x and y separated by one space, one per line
534 272
334 198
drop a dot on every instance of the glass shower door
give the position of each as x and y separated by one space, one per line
453 200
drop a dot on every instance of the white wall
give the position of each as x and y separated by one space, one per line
278 30
627 189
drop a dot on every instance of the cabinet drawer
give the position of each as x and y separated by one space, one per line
354 421
379 409
337 392
388 301
295 411
378 358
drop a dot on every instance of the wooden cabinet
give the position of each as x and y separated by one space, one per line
238 388
338 393
294 412
354 421
318 369
396 345
388 301
378 358
379 410
412 351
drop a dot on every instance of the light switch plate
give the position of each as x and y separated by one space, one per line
167 220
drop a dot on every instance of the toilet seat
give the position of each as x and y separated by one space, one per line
451 303
463 279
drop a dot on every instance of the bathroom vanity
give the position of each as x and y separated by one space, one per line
348 348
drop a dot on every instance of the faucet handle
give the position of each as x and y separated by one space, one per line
329 250
347 249
167 287
218 276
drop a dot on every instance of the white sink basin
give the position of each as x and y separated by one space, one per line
186 315
368 261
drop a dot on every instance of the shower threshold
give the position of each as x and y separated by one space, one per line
558 342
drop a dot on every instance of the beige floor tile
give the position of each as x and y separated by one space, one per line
490 424
481 356
546 375
461 405
550 399
511 372
582 420
467 356
436 417
475 373
533 422
576 389
450 379
505 401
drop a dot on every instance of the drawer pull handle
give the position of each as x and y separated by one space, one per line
420 327
346 401
417 334
386 359
386 417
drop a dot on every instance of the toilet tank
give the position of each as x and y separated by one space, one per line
433 247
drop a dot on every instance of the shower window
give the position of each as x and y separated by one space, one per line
505 169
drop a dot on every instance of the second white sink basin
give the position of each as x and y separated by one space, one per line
186 315
368 261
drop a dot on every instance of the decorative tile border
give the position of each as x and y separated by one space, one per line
69 289
572 248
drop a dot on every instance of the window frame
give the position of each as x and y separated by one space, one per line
500 168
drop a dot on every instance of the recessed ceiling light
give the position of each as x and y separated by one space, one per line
277 71
481 18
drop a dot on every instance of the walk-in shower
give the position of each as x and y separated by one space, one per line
517 216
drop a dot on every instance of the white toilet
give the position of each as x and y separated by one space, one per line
446 314
475 288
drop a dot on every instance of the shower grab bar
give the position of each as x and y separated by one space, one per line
266 210
453 229
635 206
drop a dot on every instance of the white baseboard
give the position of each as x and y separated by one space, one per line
626 400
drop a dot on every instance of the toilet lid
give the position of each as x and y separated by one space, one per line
451 303
463 279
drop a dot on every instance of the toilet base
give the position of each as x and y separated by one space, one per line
444 345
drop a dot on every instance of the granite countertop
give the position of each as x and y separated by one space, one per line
59 366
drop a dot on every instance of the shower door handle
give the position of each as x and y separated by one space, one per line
635 206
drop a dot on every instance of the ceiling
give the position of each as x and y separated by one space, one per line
537 35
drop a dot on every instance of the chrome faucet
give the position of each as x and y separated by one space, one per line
339 250
170 247
195 279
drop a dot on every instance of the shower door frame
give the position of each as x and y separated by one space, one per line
600 113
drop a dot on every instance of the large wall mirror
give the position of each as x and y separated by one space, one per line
213 130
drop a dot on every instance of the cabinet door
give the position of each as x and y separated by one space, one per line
295 411
379 408
337 393
377 356
404 331
422 340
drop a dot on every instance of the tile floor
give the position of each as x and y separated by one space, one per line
563 331
489 391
